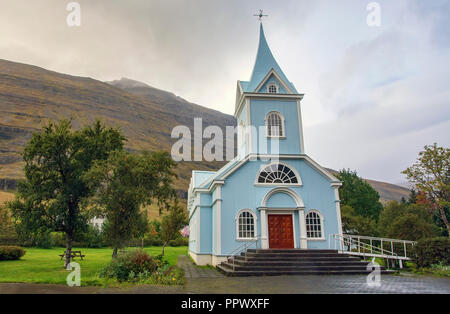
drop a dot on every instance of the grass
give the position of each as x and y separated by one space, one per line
6 196
45 266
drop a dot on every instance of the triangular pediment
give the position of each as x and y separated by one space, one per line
273 78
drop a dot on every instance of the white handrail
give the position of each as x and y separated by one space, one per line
243 248
348 242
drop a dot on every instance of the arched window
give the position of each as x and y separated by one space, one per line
246 225
272 89
314 225
278 173
275 124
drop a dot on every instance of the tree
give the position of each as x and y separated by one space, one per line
356 224
431 175
406 221
358 194
172 223
412 198
125 183
56 158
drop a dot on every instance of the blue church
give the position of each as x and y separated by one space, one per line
273 195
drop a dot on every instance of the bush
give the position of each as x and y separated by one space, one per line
427 252
179 242
92 238
130 266
8 253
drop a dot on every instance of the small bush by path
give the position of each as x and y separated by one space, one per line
9 253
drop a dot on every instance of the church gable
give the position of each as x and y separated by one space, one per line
272 84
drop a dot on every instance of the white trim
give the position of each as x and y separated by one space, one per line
322 230
300 127
302 226
298 200
264 96
281 81
219 221
264 166
338 209
249 134
255 224
326 174
283 122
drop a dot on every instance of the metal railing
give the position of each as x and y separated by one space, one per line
391 249
243 249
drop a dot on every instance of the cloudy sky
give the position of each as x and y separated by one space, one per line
374 96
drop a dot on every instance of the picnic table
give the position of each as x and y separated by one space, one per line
73 254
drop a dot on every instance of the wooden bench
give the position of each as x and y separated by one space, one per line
73 254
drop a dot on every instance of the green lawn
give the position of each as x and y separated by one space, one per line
45 266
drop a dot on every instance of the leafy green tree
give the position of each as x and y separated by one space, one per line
431 175
356 224
408 222
56 158
412 198
125 183
172 224
358 194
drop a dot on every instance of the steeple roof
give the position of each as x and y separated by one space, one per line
265 62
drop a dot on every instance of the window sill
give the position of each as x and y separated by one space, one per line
246 240
315 239
276 137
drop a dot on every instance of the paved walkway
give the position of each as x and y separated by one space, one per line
203 280
193 271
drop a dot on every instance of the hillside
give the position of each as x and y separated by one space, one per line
30 96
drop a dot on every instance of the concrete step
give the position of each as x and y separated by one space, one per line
291 251
257 258
230 272
297 263
291 268
293 254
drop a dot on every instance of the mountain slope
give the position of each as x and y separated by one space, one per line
30 96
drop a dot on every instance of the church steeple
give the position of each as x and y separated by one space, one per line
264 63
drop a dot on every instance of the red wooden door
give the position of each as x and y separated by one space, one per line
281 232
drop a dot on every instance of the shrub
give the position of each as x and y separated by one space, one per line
179 242
427 252
8 253
130 266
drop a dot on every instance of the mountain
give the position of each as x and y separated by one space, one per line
387 191
30 96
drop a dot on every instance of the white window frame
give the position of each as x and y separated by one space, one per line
255 227
283 128
277 89
322 238
297 175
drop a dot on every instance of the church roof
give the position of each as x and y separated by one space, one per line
264 63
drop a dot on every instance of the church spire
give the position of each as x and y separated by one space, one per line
265 62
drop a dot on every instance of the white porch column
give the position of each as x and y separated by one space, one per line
302 224
264 237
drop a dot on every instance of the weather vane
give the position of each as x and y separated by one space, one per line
260 15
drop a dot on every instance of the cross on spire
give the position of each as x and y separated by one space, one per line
260 15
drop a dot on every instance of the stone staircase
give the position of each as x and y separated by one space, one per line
275 262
